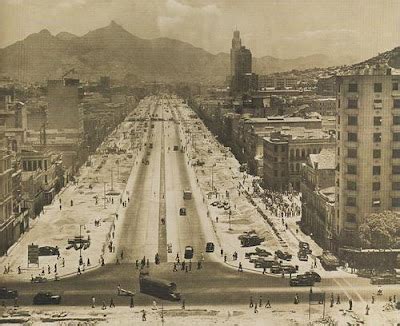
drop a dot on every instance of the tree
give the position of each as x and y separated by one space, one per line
381 231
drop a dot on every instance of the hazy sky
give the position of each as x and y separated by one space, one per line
282 28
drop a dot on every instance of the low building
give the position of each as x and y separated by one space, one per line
324 106
284 153
318 198
326 86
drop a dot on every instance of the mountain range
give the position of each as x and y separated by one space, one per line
113 51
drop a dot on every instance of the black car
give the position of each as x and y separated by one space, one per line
305 246
315 276
188 252
8 294
48 251
46 298
301 281
210 247
182 211
283 255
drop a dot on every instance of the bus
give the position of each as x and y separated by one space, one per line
159 288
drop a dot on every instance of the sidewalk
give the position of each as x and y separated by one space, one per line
225 176
75 210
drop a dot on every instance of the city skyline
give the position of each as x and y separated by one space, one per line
312 28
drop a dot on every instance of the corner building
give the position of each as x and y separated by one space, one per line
368 149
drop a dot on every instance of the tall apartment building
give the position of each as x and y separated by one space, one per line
368 149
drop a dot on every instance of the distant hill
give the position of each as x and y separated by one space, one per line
113 51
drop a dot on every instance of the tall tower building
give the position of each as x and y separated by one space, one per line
242 79
368 149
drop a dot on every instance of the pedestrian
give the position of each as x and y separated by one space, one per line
260 301
55 268
119 289
137 264
268 304
251 302
79 271
332 300
88 262
350 304
48 269
296 299
190 265
93 302
148 263
338 299
240 268
222 252
225 258
143 315
112 304
264 270
60 207
72 202
367 310
63 262
183 304
104 306
255 309
186 268
132 304
315 262
19 269
216 219
373 299
122 252
174 269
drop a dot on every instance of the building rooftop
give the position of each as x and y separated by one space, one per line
325 160
328 193
298 133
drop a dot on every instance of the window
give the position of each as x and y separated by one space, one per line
395 185
378 87
396 136
376 153
377 121
353 87
395 86
351 185
395 169
396 202
352 169
275 148
396 120
352 104
351 218
338 151
376 202
376 170
376 186
396 153
352 120
338 135
352 152
377 101
396 103
351 201
352 136
338 103
377 137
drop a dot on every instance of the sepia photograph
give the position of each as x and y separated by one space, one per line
200 162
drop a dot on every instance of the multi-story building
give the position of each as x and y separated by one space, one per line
326 86
6 205
285 151
242 79
276 82
368 149
317 187
324 106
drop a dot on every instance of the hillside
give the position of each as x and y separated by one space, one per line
113 51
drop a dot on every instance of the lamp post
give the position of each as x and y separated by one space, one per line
230 214
104 194
80 246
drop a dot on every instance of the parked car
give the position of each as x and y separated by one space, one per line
301 281
189 252
252 240
214 203
276 269
264 263
283 255
182 211
302 255
314 275
46 298
48 251
305 246
6 293
289 269
210 247
38 279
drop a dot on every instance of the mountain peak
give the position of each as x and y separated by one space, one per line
45 32
66 36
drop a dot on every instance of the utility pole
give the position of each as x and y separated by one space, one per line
104 194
